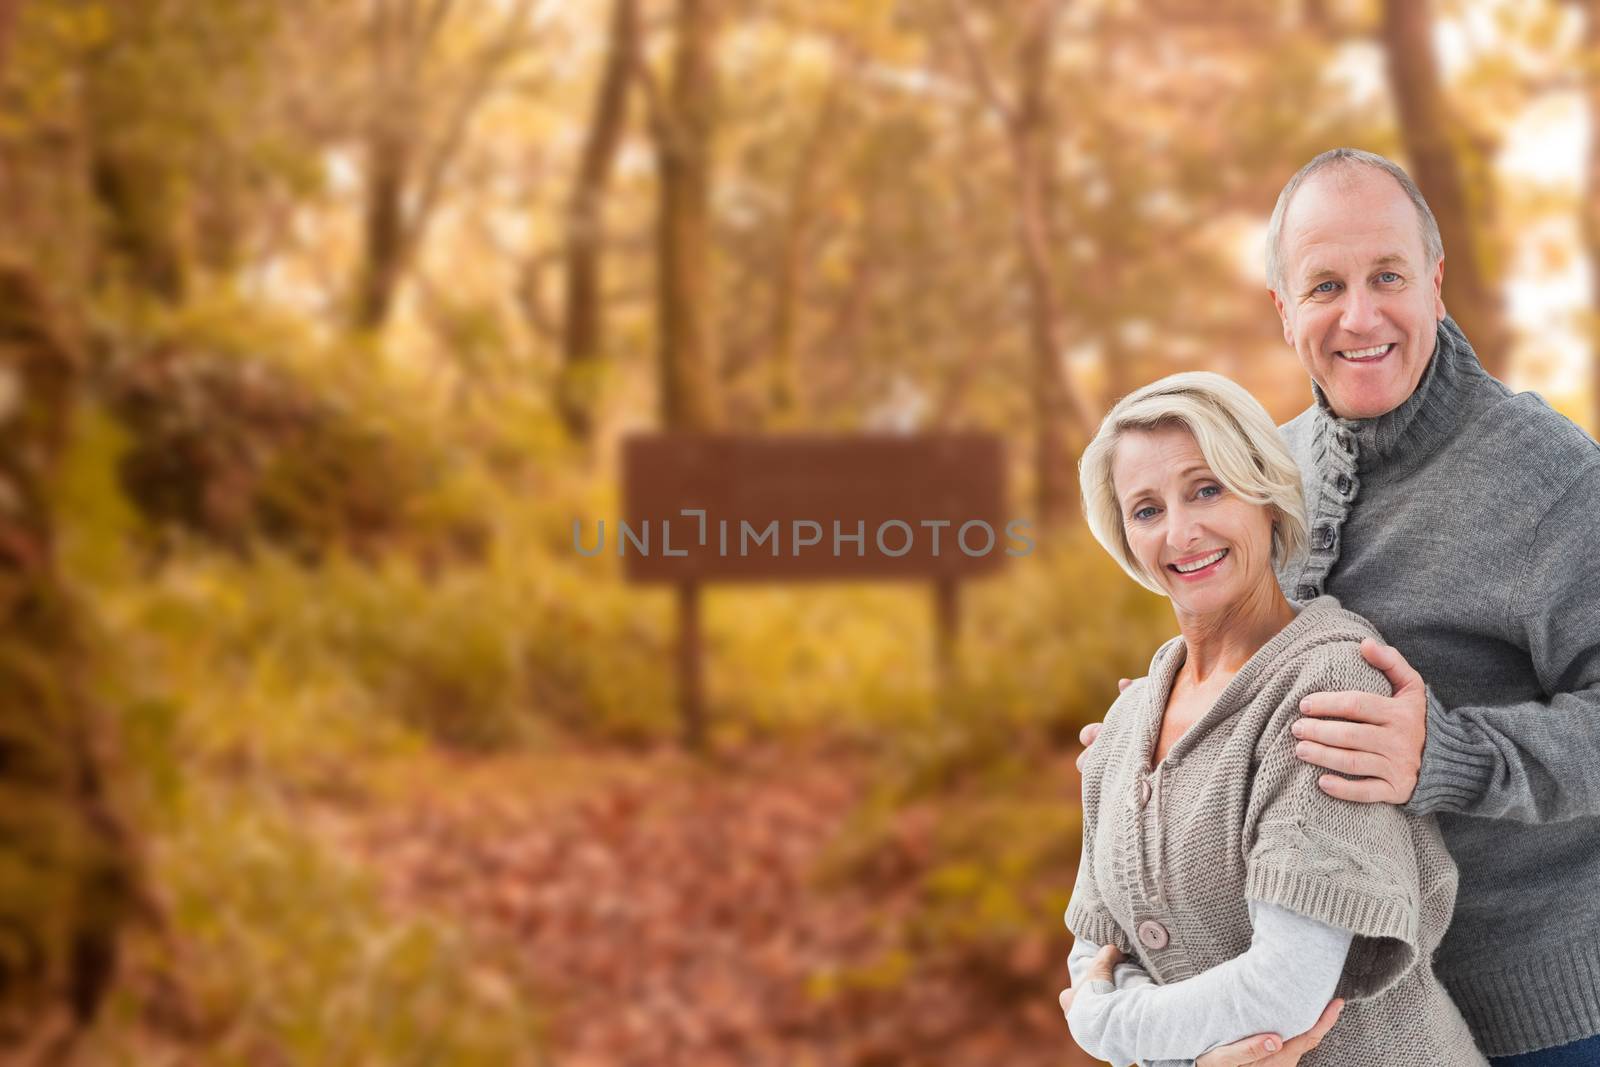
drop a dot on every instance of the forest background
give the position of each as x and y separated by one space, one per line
321 320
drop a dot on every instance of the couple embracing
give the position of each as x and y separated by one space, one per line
1352 813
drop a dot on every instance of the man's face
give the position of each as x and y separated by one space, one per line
1360 302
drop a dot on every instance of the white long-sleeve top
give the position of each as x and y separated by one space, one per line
1279 985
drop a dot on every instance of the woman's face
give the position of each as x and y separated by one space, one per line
1204 546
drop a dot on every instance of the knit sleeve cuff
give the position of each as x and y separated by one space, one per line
1094 923
1341 890
1332 900
1456 765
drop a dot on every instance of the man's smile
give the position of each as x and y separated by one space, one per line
1365 355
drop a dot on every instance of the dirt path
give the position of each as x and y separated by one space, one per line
672 916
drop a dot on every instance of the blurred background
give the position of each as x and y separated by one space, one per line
321 322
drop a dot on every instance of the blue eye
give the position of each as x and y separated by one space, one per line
1326 287
1144 513
1207 492
1388 277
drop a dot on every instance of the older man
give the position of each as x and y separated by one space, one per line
1464 521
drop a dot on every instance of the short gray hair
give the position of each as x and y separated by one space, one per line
1235 434
1432 245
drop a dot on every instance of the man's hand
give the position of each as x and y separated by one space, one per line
1378 739
1102 968
1087 735
1086 738
1104 965
1266 1050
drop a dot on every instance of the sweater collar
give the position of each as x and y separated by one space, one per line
1428 417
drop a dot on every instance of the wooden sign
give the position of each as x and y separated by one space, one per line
726 507
703 508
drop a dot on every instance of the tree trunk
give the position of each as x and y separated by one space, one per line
783 388
1033 140
1427 129
134 184
218 213
1059 428
383 227
1591 196
68 869
583 336
67 872
683 129
138 239
408 157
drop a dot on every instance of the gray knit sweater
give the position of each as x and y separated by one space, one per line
1466 525
1171 853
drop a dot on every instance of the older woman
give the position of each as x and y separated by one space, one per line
1247 896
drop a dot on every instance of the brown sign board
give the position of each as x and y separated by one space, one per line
789 507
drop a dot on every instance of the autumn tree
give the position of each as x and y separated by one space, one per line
1437 145
417 119
1025 112
66 867
796 229
1590 191
683 124
69 874
583 339
68 877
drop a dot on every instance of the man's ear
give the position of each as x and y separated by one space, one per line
1283 316
1438 289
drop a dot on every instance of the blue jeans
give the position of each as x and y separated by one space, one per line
1585 1053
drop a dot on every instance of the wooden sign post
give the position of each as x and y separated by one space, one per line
731 508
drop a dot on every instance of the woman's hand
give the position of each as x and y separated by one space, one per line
1263 1050
1087 735
1102 969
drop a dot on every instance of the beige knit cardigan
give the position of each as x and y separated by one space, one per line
1170 853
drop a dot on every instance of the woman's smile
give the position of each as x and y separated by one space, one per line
1194 568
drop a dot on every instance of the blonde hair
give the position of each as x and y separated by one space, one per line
1237 438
